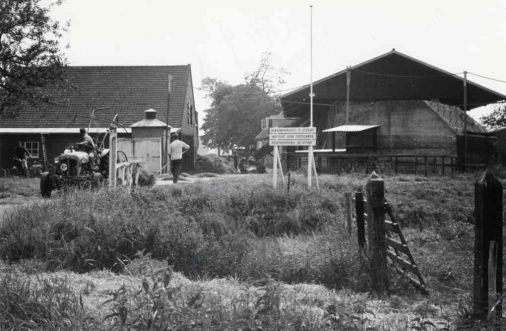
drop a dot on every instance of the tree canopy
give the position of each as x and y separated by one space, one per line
497 118
30 54
236 110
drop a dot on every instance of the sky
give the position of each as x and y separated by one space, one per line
226 39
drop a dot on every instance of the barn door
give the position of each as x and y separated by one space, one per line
149 151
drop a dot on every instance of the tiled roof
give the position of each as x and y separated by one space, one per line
264 134
126 90
454 118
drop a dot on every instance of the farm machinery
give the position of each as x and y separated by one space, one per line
83 166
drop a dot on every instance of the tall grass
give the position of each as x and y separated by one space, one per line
44 304
203 230
238 227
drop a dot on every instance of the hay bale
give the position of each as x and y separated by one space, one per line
212 163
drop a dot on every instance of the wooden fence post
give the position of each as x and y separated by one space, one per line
113 154
289 183
426 160
348 208
376 232
488 245
359 212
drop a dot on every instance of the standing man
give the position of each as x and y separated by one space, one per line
176 150
20 160
236 161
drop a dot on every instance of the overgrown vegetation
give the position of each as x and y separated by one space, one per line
19 187
212 163
49 304
241 228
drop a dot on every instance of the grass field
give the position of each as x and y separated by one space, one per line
235 254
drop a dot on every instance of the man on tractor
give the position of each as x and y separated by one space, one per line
86 140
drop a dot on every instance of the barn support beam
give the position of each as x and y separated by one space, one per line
348 81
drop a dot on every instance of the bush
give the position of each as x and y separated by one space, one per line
146 179
214 164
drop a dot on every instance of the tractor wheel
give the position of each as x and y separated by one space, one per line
46 184
97 180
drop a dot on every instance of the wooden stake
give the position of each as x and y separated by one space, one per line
359 215
347 208
289 183
488 240
376 225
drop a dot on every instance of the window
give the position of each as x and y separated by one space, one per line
189 110
33 148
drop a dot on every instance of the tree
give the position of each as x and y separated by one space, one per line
497 118
30 56
236 111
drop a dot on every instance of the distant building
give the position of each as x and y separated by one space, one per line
262 139
123 90
272 121
397 105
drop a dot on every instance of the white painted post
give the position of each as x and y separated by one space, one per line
137 172
275 168
281 168
311 96
309 164
113 140
315 174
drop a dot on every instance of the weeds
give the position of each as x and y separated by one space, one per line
48 304
244 229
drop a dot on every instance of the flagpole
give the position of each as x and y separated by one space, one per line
310 149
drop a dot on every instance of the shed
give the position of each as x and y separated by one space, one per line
359 138
148 142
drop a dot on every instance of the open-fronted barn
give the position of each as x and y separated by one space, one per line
393 104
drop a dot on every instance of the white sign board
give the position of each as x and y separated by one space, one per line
293 130
294 136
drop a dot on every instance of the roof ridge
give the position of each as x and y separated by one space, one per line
180 67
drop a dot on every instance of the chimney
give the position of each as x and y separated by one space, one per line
150 114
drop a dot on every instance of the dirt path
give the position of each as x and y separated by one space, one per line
194 179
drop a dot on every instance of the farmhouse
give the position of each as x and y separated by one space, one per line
394 104
127 91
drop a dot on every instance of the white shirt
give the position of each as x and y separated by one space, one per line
176 149
88 139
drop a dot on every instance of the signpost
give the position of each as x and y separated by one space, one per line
292 136
298 136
